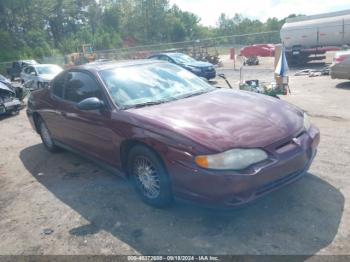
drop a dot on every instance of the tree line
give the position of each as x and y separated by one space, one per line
38 28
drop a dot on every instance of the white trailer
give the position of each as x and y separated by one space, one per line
315 34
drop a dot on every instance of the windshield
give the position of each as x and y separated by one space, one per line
151 83
43 70
182 58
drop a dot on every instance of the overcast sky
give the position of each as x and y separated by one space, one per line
209 10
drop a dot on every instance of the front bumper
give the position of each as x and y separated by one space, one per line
289 161
207 74
10 106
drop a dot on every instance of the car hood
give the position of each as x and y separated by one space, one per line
198 64
225 119
5 88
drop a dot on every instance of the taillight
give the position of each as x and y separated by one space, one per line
340 58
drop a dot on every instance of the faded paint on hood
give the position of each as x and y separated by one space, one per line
225 119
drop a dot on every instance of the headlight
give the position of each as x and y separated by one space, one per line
194 69
235 159
307 123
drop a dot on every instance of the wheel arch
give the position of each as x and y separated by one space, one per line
36 117
128 144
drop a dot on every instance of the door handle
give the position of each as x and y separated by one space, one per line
63 114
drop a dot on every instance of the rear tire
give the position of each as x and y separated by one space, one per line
149 177
46 136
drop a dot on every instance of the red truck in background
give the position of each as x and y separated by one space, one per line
258 50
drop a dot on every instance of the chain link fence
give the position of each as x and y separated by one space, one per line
196 48
217 45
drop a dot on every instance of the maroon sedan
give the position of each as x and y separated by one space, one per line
174 135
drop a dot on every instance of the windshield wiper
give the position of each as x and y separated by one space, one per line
197 93
150 103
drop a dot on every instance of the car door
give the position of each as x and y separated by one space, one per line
25 74
16 67
30 74
53 117
22 74
87 131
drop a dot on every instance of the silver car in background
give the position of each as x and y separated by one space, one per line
340 68
40 75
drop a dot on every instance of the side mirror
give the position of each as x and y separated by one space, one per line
91 103
33 73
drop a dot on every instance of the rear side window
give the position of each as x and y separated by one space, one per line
58 85
80 86
30 70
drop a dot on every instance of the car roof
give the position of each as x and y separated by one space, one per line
114 64
28 61
43 65
169 53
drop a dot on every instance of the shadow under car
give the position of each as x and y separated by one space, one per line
299 219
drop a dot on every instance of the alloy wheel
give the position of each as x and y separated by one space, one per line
147 177
45 134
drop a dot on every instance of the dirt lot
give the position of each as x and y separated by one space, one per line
63 204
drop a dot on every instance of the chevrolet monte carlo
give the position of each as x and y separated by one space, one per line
174 135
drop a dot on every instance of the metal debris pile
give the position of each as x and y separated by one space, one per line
313 72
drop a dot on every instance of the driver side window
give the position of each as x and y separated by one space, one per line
58 85
80 86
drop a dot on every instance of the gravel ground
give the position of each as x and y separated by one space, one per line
63 204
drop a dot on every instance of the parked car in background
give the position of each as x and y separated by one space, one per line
41 74
340 68
199 68
9 104
17 67
173 134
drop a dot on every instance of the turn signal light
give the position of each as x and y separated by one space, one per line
202 161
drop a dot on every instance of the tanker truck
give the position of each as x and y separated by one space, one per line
308 38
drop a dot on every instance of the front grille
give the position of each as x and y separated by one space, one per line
286 146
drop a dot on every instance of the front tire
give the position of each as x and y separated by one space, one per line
46 137
149 177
